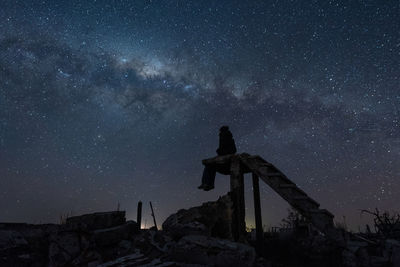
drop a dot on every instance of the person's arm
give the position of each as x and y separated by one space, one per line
234 146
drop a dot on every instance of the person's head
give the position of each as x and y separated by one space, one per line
224 128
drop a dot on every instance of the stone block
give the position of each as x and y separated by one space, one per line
95 221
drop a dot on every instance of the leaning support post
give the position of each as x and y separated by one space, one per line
154 217
139 215
237 194
257 212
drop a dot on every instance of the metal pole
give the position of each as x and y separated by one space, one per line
139 215
257 212
152 214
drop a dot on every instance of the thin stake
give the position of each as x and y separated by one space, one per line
139 214
154 217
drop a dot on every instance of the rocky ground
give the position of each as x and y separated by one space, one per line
200 236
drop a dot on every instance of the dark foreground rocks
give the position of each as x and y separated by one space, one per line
195 237
25 245
199 236
85 240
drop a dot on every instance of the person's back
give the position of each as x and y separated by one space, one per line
226 142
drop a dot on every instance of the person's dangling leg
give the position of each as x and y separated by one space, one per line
208 179
205 178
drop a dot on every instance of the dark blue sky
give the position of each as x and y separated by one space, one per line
107 102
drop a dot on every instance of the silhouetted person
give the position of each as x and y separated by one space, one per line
226 146
226 143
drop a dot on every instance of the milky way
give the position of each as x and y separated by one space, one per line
108 102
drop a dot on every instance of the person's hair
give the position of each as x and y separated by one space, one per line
224 128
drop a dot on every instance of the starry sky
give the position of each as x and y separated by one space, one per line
105 103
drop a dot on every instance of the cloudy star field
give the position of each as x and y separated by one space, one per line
107 102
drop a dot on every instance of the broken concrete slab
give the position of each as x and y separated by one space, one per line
210 219
110 236
95 221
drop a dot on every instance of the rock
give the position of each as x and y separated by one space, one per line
89 239
95 221
137 259
363 259
396 257
261 262
64 248
24 244
392 247
125 245
88 258
114 235
198 249
14 249
72 249
210 219
11 239
131 259
349 258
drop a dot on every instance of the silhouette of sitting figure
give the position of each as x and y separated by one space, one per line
226 146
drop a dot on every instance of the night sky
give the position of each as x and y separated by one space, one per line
107 102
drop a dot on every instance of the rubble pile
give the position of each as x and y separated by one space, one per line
82 240
199 236
210 219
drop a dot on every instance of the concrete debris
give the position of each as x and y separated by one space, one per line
111 236
199 236
212 251
95 221
210 219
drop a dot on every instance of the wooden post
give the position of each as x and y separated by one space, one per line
237 194
154 217
257 212
139 215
